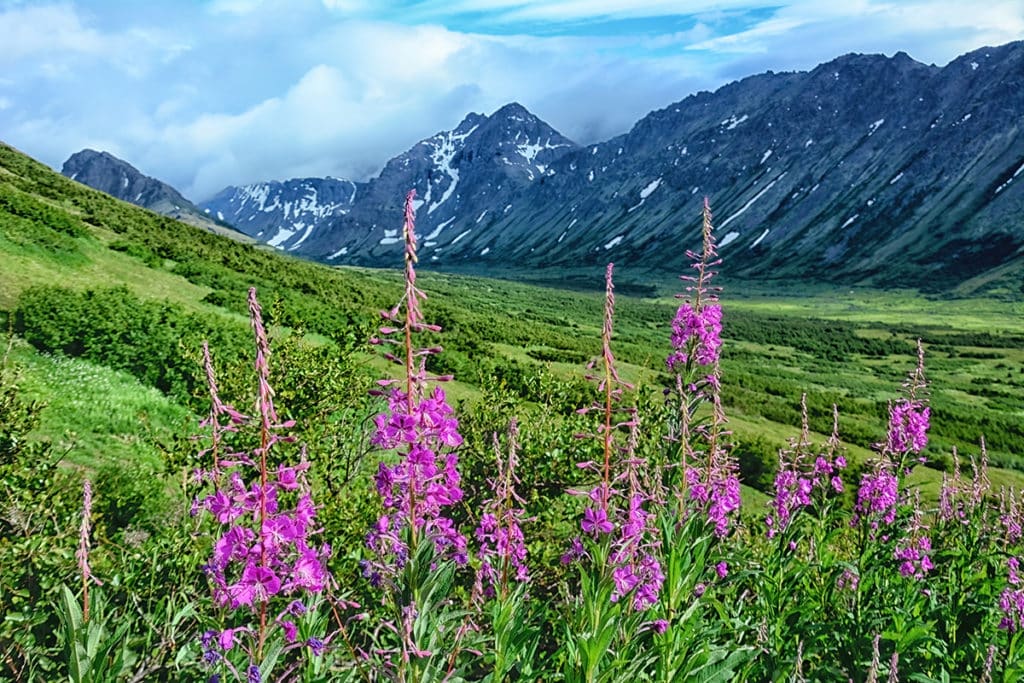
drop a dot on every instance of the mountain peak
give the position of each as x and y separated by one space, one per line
107 173
514 111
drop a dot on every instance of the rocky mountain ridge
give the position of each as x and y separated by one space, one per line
869 169
107 173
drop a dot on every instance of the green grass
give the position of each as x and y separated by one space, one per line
96 415
849 346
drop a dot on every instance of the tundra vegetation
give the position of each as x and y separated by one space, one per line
497 482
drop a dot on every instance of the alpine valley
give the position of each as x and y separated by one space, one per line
868 169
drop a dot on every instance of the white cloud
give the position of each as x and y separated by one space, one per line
45 30
236 91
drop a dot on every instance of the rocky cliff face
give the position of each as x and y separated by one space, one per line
118 178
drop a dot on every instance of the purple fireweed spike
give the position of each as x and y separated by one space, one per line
609 375
877 496
422 428
502 545
893 668
913 551
876 660
800 473
709 477
82 554
264 551
909 416
980 483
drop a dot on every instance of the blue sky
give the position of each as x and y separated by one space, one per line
204 94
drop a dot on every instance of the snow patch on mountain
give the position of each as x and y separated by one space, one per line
447 145
729 238
282 236
758 240
750 203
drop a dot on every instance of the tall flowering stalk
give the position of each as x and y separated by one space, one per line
266 550
616 503
801 473
218 411
622 575
82 554
502 545
907 435
909 417
713 485
415 544
425 481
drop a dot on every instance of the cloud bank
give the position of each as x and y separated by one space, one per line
236 91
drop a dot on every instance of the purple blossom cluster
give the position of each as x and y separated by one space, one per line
696 334
500 535
709 475
637 570
848 580
716 490
423 430
877 497
265 549
1011 516
909 416
426 479
697 327
908 427
617 502
913 552
795 482
1011 600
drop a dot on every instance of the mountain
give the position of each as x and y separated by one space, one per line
105 172
277 212
479 170
869 169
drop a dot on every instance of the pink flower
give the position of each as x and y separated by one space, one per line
595 521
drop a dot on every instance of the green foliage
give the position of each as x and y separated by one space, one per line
94 653
114 328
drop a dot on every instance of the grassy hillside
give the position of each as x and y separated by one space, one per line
845 347
103 379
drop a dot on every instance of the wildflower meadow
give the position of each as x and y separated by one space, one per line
390 536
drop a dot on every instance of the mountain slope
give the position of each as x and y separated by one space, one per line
479 169
105 172
275 212
867 169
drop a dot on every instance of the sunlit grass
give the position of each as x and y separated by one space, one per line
97 415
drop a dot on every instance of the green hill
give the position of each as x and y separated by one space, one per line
64 246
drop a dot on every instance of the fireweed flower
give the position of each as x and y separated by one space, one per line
425 481
848 580
709 480
617 501
958 499
878 494
877 497
82 554
797 477
502 545
1011 516
697 327
1011 600
913 551
267 547
909 416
